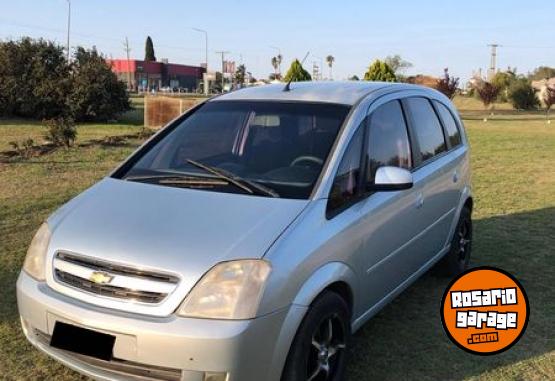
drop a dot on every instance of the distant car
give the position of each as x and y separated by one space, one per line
249 238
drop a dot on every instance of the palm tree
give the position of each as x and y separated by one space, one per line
330 60
279 59
275 64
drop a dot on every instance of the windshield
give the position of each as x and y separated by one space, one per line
263 148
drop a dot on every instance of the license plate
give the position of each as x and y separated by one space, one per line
83 341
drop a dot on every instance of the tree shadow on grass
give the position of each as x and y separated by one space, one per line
406 341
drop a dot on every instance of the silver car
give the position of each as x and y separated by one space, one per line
251 237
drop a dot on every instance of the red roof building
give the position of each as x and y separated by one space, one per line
148 75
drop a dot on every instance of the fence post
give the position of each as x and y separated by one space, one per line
145 111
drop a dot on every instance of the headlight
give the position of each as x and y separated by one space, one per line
35 261
230 290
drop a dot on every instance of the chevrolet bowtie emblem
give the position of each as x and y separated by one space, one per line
100 277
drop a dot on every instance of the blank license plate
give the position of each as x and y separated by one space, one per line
83 341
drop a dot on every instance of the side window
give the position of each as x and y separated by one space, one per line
427 128
388 140
453 133
345 185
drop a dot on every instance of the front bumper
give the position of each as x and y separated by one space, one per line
169 348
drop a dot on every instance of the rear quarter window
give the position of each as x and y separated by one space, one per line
427 128
451 127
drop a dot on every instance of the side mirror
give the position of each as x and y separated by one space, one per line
391 179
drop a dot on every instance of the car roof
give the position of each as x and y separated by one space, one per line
341 92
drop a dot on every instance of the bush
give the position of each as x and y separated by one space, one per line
60 131
380 71
96 94
447 85
522 96
487 93
36 81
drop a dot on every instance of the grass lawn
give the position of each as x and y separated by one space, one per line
514 188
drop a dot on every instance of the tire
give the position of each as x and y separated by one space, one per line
458 258
305 361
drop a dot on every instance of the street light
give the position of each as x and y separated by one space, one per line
68 25
205 57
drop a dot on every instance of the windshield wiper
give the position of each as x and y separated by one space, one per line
244 184
178 179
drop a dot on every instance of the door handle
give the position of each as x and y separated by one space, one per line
419 200
455 176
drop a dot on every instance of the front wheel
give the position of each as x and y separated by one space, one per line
318 352
458 258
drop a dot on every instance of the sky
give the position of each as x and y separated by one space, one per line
432 35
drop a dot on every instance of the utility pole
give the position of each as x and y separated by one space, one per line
127 50
68 26
223 53
205 57
493 61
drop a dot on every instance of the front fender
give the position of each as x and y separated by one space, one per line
317 282
321 278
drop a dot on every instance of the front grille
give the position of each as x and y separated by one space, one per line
110 291
117 281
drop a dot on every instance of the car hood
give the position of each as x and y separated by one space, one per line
174 230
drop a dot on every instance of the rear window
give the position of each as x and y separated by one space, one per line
453 133
427 128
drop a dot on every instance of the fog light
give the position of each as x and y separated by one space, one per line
215 376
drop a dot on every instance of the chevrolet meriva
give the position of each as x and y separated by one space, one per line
250 237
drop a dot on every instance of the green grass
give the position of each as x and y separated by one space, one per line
514 188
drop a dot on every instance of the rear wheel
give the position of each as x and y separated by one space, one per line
458 258
318 352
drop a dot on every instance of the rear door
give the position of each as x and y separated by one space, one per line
435 177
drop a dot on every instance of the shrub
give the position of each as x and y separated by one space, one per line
522 95
548 99
96 93
34 79
380 71
297 73
447 85
23 148
60 131
487 93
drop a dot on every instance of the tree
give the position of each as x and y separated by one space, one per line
542 72
275 65
297 73
34 79
354 78
149 50
447 85
330 60
522 95
240 74
548 99
503 80
380 71
96 94
488 93
279 58
397 64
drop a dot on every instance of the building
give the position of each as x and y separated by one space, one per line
148 75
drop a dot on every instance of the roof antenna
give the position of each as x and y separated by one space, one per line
288 85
